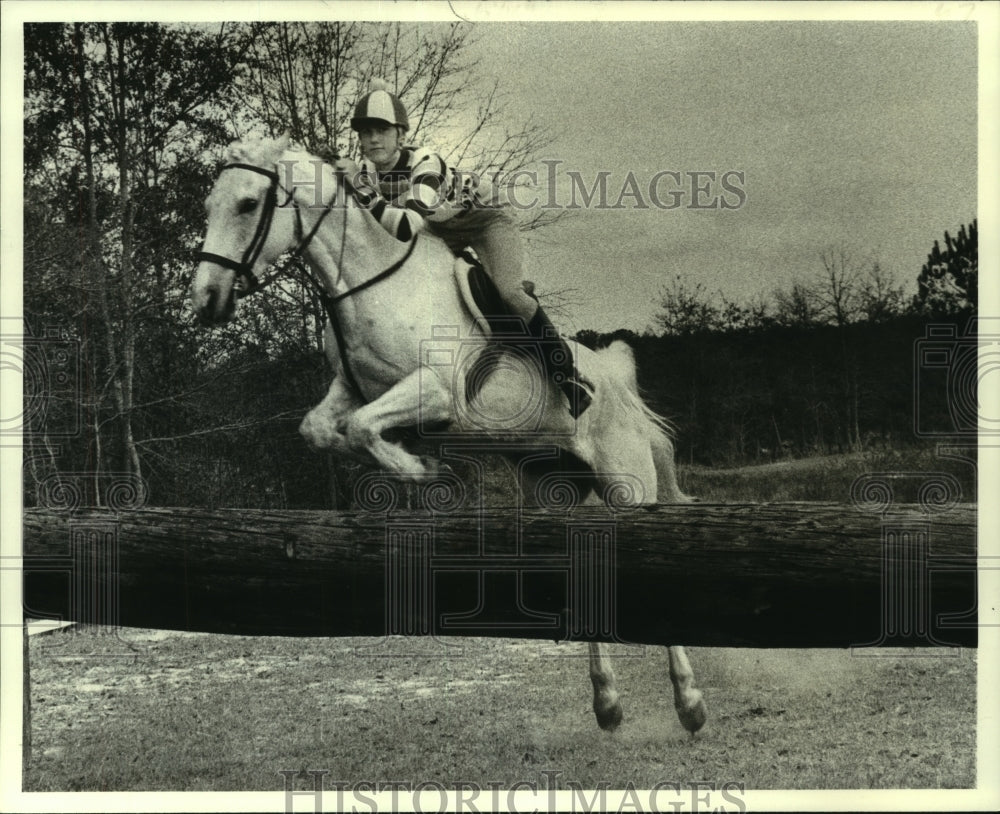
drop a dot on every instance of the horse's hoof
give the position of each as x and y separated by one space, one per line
430 468
314 436
609 718
693 716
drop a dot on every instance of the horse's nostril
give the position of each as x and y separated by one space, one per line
214 308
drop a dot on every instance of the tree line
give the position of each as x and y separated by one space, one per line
843 290
124 123
835 362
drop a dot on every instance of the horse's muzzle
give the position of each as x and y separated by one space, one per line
211 308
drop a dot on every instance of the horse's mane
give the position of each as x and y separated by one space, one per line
267 152
259 150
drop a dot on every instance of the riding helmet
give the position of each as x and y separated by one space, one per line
380 105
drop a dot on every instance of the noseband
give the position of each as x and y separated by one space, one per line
246 280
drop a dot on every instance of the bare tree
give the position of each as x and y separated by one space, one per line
308 77
686 309
837 292
753 314
797 306
880 296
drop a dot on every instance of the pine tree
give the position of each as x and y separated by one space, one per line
949 280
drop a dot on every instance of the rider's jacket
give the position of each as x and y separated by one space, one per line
422 187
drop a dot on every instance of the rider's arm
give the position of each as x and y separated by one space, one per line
426 199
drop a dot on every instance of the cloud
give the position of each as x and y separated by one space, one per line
860 134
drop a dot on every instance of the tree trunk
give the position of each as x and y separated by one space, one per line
101 278
117 70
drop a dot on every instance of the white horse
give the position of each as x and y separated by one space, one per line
408 342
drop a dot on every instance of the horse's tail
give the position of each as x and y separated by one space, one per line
620 361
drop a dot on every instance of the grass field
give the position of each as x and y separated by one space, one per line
196 712
826 478
147 710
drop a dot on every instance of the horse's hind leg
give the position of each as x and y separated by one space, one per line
668 490
688 700
607 707
651 467
624 469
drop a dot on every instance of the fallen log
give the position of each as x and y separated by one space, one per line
762 575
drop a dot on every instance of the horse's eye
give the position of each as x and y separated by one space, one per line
246 206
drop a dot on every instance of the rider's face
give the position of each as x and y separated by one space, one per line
380 144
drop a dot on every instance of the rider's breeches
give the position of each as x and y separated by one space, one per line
494 235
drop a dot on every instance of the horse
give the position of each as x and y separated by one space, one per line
405 343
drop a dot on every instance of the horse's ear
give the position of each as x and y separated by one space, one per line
235 152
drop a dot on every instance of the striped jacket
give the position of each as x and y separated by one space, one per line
420 187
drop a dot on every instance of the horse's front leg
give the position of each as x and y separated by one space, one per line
321 428
419 399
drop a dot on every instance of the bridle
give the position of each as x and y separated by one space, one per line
247 282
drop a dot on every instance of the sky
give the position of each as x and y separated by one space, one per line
855 136
859 136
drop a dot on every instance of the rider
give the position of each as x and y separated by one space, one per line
411 188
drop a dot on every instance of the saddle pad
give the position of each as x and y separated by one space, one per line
480 293
506 331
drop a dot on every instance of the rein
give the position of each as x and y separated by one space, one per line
330 304
244 267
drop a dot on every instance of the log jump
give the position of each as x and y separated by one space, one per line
761 575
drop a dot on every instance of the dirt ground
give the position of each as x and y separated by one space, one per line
144 710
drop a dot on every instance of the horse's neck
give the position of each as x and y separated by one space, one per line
368 247
354 248
350 246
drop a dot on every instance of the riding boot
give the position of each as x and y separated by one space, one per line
558 361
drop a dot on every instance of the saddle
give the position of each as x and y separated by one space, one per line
492 316
489 311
